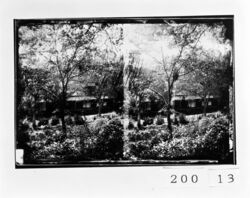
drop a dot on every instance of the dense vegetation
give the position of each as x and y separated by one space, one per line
105 139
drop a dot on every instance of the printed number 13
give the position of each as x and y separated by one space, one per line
229 176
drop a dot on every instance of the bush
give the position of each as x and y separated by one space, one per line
54 121
175 120
189 130
48 144
216 139
69 120
131 125
78 120
103 140
175 149
182 119
159 120
116 121
204 123
140 149
98 123
148 121
109 143
43 122
140 143
204 139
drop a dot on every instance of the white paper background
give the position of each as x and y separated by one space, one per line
120 181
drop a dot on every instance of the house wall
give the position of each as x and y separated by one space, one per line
196 106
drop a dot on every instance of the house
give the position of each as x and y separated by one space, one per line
89 105
85 101
188 104
82 101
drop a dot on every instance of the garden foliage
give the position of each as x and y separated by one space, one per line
204 139
102 139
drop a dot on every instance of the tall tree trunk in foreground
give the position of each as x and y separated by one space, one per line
62 113
139 114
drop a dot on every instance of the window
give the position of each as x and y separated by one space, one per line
104 104
86 105
191 104
208 104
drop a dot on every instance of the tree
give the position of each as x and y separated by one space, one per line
138 82
36 85
210 77
184 39
106 70
62 50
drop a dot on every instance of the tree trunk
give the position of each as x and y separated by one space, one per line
83 138
34 110
169 112
139 118
62 114
63 121
205 100
139 114
100 107
169 121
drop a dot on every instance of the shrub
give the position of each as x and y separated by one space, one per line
148 121
175 120
159 120
133 136
140 143
98 123
216 139
48 144
103 140
87 140
182 119
54 121
109 143
177 148
140 149
189 130
204 139
130 125
69 120
116 121
204 123
43 122
78 120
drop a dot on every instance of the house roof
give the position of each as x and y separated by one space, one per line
85 98
81 98
190 97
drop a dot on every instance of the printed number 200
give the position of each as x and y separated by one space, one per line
184 179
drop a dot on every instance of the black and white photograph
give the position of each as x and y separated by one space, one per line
124 91
130 99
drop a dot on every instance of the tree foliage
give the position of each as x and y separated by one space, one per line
138 81
63 50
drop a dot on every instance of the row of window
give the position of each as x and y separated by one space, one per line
192 104
88 104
